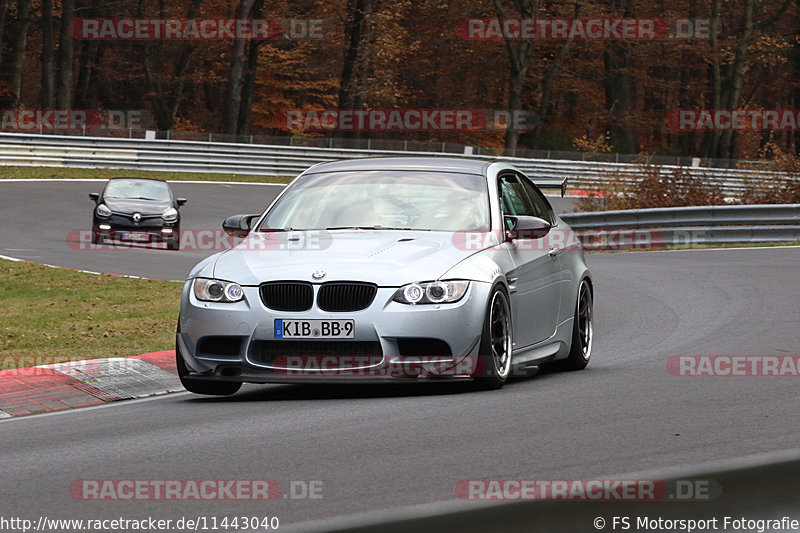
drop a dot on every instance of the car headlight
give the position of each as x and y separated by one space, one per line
434 292
214 290
103 211
170 215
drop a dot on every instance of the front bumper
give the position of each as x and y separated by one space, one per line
392 341
116 227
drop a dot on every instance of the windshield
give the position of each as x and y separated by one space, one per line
138 190
433 201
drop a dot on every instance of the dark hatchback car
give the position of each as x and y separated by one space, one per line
137 210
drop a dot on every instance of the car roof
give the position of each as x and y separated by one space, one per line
432 164
137 179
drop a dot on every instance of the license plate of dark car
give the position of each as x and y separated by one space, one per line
314 329
136 236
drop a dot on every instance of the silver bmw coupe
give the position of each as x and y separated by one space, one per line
390 270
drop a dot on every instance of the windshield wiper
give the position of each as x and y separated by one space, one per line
375 228
353 227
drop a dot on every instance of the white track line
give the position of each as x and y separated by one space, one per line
18 260
93 407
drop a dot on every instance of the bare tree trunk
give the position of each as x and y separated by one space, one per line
165 110
3 10
84 73
249 78
733 90
248 88
65 52
619 88
356 30
792 138
547 84
515 86
20 44
233 98
711 138
48 57
89 52
519 58
619 98
86 88
166 101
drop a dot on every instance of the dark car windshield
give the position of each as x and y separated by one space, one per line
434 201
138 190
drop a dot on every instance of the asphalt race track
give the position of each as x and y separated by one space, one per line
40 221
385 447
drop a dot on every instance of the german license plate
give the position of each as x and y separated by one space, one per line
314 329
136 236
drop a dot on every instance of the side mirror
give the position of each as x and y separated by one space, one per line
239 225
94 196
526 227
180 201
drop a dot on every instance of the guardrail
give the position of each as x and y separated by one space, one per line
674 226
274 160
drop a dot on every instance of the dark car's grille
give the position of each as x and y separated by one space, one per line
268 351
287 295
344 296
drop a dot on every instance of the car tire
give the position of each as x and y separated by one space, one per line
97 237
198 386
580 351
494 359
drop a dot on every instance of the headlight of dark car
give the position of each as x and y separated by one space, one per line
103 211
433 292
170 215
214 290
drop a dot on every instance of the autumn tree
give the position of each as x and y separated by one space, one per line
65 57
47 92
166 79
618 84
20 42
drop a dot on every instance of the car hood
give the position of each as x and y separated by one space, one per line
145 207
386 258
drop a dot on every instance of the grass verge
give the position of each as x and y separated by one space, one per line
49 311
106 173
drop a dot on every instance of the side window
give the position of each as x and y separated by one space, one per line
514 198
540 203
